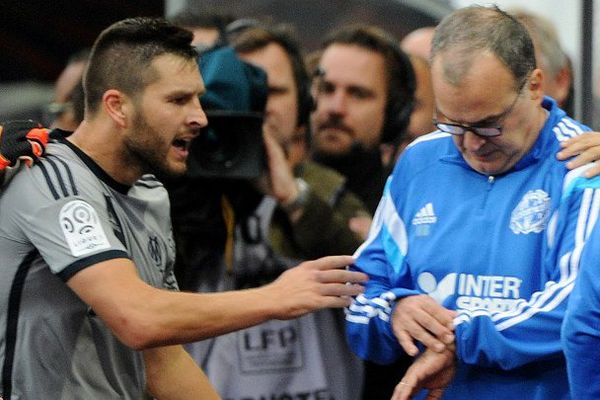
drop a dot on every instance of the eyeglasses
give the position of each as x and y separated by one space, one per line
56 109
479 130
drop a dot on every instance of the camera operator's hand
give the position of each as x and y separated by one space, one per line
21 140
280 183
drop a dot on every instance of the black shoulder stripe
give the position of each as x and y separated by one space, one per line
49 181
12 322
69 174
59 177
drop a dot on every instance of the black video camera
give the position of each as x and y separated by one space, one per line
230 147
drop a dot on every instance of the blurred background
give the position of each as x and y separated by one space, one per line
38 37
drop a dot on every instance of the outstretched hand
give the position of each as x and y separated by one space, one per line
21 140
313 285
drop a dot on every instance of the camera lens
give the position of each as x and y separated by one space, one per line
217 147
231 146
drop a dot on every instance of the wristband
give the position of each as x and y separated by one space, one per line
300 201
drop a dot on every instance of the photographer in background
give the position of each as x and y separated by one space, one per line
308 194
261 226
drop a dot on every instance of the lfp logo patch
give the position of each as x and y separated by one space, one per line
82 228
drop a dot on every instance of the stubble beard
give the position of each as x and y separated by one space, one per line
148 149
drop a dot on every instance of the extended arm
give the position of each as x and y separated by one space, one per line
143 316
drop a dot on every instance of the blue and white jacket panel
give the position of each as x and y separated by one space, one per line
581 326
503 251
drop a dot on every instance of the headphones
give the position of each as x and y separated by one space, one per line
401 81
306 103
401 91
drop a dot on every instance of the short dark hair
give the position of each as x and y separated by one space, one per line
401 81
478 28
258 37
123 52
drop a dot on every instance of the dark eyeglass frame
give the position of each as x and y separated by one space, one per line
479 130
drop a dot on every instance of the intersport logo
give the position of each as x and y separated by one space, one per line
494 293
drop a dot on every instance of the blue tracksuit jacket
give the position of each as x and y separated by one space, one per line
581 327
501 250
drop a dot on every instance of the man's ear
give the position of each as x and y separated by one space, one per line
535 84
116 104
562 85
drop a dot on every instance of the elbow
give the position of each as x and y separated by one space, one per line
138 333
137 340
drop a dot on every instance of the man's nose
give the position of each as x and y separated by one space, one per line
472 141
197 115
336 103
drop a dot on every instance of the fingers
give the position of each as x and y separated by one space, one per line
337 302
420 318
341 289
407 343
340 275
21 140
27 160
329 262
404 390
585 147
272 149
330 271
593 171
38 139
431 371
427 330
584 158
39 135
569 148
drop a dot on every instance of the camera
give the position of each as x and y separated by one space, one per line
229 147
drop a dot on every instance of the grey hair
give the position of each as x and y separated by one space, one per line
468 32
